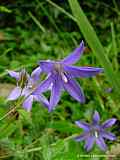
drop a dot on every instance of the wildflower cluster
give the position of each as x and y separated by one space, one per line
61 76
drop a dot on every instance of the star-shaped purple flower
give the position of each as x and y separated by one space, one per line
61 75
26 86
95 132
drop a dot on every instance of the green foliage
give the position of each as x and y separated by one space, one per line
94 43
34 30
63 126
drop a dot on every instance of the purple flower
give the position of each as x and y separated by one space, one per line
95 132
108 90
61 75
26 86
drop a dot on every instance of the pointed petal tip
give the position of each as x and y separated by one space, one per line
89 143
114 138
101 70
50 109
82 100
80 137
74 89
55 91
114 120
27 104
96 117
96 112
84 72
77 123
87 149
82 43
101 144
41 98
109 135
109 123
75 55
13 74
81 124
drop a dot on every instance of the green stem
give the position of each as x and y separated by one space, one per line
8 113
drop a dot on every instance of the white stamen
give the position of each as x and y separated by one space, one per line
48 60
64 78
50 87
96 134
30 86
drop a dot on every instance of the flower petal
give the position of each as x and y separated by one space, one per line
24 75
108 135
46 66
83 125
96 118
55 92
82 71
26 91
75 55
41 98
43 86
14 74
16 92
81 137
27 104
74 90
35 75
89 143
100 142
108 123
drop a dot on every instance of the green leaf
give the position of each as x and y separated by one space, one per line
64 126
24 115
7 129
5 9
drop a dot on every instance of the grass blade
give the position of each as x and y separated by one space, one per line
36 21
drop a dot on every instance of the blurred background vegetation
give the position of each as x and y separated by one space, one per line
34 30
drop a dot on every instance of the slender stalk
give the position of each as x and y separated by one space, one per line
62 10
8 113
36 21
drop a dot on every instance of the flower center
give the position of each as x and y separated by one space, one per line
23 80
32 86
96 134
59 69
64 78
95 131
